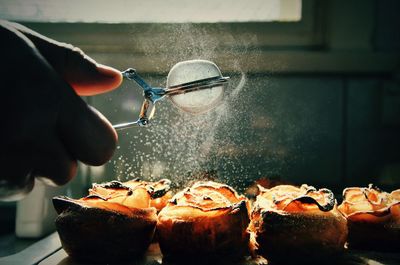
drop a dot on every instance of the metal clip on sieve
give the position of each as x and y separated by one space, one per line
151 96
154 94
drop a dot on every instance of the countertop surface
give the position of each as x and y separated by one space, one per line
11 244
48 251
154 257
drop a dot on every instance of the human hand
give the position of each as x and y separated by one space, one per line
46 126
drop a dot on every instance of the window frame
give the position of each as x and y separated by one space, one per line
315 44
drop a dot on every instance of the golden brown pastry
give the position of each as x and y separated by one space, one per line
114 223
297 223
373 218
159 190
206 221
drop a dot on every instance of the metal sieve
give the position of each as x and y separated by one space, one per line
194 86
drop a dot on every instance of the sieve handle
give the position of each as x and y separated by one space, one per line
125 125
144 116
131 74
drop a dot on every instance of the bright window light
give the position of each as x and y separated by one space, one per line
150 11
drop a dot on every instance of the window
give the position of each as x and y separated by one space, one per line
151 11
263 35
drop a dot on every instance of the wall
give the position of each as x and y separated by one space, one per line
325 130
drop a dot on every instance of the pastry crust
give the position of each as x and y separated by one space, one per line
114 223
373 218
205 221
301 221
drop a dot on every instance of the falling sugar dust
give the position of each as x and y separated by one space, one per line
179 145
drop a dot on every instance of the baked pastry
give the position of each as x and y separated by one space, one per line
161 194
206 221
159 190
373 218
114 223
297 224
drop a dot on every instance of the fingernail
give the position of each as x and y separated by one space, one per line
110 72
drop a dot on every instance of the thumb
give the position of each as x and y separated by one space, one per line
81 72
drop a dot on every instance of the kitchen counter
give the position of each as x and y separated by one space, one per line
11 244
154 257
35 253
48 251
